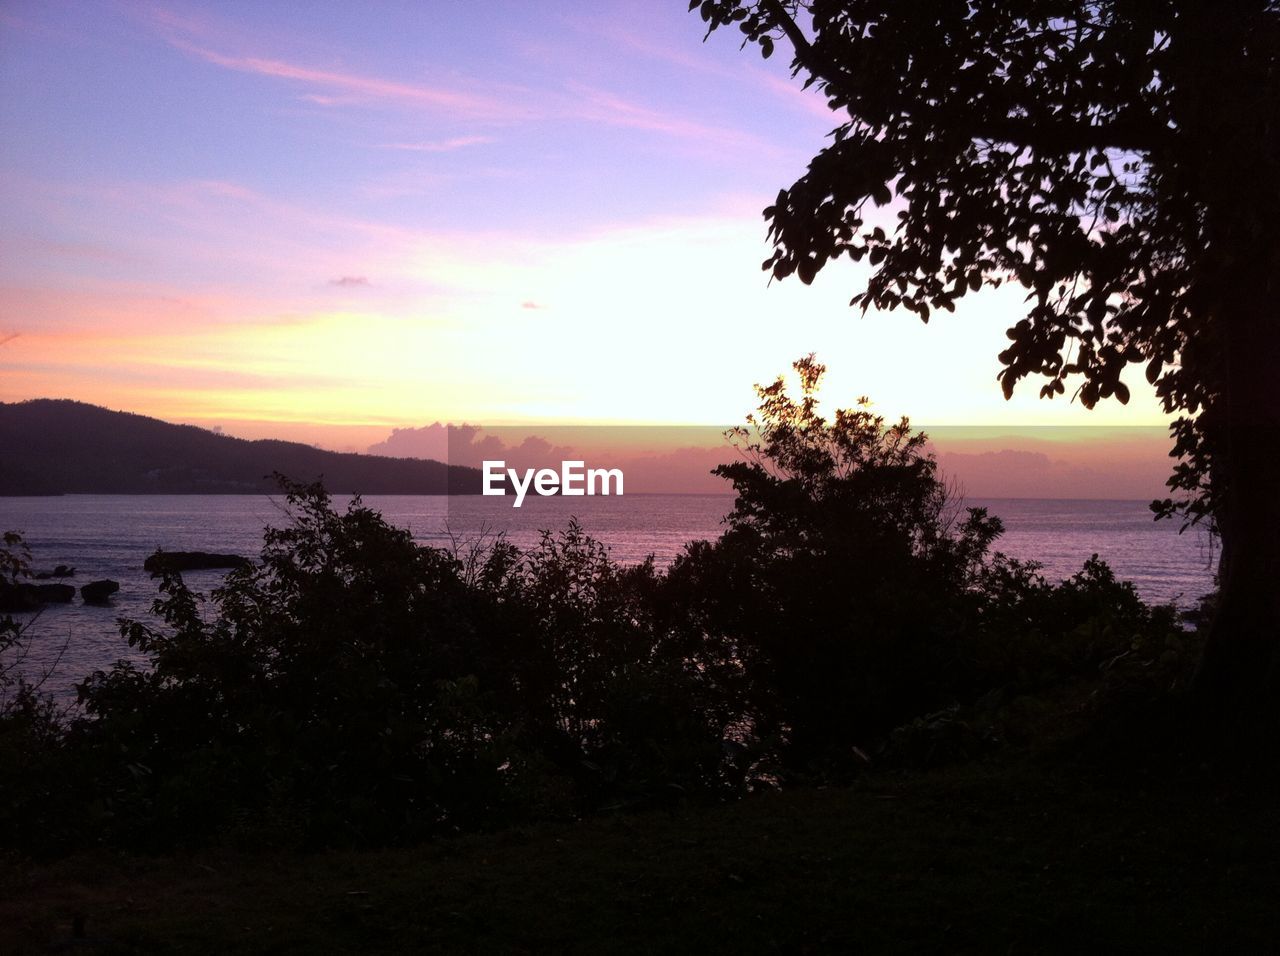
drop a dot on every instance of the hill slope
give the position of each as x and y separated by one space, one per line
52 446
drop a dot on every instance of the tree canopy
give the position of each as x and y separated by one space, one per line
1117 160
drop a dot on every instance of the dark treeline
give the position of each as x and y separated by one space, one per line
354 688
60 447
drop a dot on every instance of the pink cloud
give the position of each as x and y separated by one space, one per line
332 87
354 83
321 100
644 45
603 107
107 309
439 146
810 101
204 201
208 40
788 90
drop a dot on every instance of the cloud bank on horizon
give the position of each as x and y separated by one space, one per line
327 228
1125 463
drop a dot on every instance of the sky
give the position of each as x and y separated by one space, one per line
326 221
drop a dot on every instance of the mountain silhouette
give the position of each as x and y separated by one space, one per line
58 446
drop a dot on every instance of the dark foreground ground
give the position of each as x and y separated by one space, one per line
1022 859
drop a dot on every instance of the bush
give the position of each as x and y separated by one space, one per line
38 786
845 583
353 687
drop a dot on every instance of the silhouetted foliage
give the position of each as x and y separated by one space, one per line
1119 162
351 687
355 687
844 582
32 757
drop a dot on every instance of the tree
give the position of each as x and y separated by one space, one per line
847 583
1117 160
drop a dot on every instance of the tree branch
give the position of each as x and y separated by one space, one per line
1057 137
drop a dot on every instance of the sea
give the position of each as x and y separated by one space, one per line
109 536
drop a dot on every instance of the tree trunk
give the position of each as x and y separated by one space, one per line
1239 677
1238 683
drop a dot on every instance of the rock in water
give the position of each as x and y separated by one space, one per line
54 593
99 592
191 561
29 597
18 597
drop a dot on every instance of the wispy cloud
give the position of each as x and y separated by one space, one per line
648 45
372 87
350 281
600 106
810 100
205 39
331 87
438 146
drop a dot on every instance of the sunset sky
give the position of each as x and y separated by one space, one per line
321 222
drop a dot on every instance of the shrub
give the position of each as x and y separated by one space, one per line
355 687
845 582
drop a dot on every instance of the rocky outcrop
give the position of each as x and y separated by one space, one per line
191 561
29 597
17 597
54 593
99 592
61 571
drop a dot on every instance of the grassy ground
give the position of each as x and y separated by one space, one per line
1020 859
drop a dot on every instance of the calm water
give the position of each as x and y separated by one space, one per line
109 536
